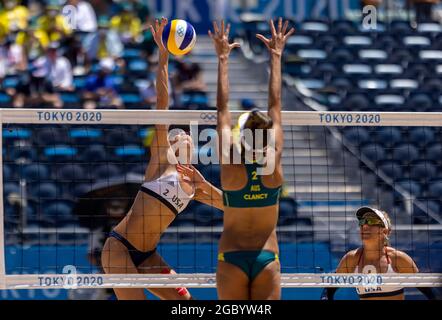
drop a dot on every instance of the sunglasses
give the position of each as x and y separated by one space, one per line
371 222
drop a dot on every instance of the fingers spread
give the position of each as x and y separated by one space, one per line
292 30
279 25
286 24
235 45
228 30
222 28
215 27
272 28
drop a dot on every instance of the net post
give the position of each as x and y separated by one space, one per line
2 220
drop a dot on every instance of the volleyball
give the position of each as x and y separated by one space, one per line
179 37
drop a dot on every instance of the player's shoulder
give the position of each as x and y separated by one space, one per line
352 254
395 253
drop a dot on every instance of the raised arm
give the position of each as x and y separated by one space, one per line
220 40
160 144
276 45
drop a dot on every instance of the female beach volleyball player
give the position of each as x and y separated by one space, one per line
167 190
376 256
248 266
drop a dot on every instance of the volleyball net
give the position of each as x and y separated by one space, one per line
69 176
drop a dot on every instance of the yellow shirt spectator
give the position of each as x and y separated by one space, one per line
127 25
14 18
56 27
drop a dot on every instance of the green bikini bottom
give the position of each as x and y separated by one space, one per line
251 262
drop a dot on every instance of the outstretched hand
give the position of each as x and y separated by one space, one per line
190 173
220 38
157 29
279 38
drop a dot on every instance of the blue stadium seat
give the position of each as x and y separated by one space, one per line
405 153
58 212
70 99
81 189
404 84
431 55
357 69
130 153
50 136
417 41
423 170
373 151
341 55
431 85
94 153
7 172
20 152
388 136
411 186
400 27
35 172
314 26
357 135
138 66
70 172
435 189
312 54
131 53
43 191
356 102
5 100
392 169
120 136
85 136
422 136
388 69
401 55
60 153
10 81
372 84
373 54
79 82
419 102
389 102
12 134
11 188
106 170
434 152
343 27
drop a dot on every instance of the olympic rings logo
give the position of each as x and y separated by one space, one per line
180 31
208 117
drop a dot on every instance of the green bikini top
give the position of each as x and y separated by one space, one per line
254 194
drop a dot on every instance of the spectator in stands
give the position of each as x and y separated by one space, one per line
188 78
54 24
14 16
127 24
33 41
101 87
85 18
12 57
424 9
48 74
104 43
